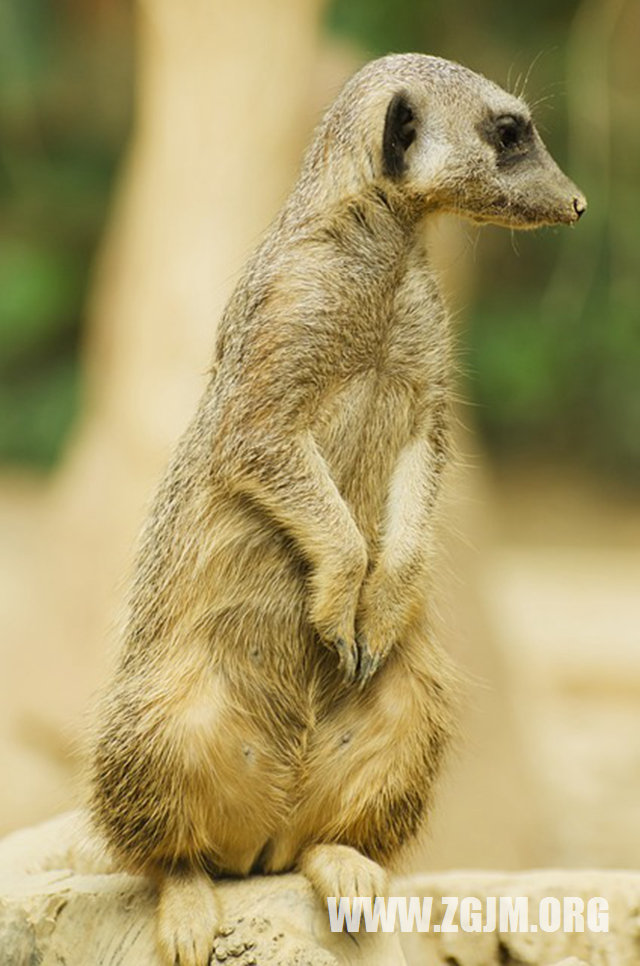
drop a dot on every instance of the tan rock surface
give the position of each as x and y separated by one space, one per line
61 904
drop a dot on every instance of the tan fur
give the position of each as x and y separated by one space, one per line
280 700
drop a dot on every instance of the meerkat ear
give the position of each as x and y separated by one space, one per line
399 134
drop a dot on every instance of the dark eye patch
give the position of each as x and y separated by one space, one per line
510 134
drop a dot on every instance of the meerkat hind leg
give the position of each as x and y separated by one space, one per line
188 918
339 870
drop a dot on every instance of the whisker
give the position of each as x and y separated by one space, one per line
517 85
533 63
514 243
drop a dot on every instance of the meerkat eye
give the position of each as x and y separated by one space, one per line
511 131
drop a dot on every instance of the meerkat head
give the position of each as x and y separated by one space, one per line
447 138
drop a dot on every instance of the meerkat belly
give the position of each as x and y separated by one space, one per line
360 430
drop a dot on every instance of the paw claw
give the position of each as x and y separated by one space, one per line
369 662
365 663
347 659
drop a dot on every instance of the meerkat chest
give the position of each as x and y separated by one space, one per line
415 349
368 415
386 373
413 354
360 429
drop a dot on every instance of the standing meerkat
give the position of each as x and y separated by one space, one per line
280 702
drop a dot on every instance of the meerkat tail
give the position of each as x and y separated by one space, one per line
188 918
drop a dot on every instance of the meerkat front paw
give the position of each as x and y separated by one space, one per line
343 872
383 612
188 918
335 591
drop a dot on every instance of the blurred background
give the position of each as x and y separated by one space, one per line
143 149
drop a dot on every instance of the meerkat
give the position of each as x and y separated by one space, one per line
280 702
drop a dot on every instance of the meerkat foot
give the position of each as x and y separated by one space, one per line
341 871
188 919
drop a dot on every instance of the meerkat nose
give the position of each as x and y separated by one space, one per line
579 206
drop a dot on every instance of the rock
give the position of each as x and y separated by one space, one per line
61 902
616 947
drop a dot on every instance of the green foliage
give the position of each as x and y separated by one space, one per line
41 289
64 109
37 407
544 386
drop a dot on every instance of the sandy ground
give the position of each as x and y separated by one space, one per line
563 588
